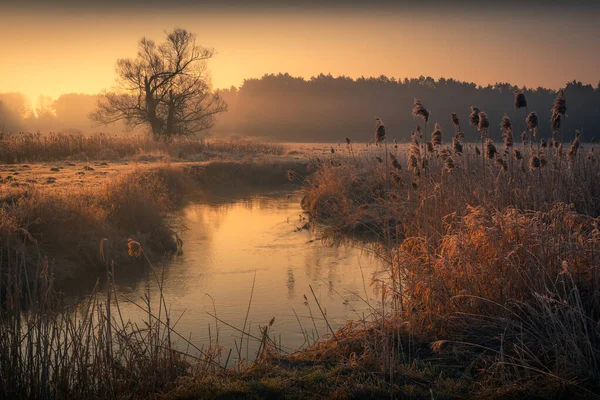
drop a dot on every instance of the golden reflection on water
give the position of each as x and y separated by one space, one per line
227 244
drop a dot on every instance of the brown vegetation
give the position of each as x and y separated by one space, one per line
495 266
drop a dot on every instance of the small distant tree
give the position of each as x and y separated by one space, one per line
166 88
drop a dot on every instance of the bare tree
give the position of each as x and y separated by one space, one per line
166 87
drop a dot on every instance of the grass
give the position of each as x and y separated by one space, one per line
496 265
67 225
27 147
491 287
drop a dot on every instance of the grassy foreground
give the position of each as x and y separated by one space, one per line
491 289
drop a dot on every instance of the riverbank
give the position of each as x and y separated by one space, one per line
492 261
65 212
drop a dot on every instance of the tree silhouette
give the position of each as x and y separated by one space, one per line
165 87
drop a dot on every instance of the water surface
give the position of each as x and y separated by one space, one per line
231 245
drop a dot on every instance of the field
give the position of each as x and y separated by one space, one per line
491 287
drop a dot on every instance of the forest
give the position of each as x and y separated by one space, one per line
324 108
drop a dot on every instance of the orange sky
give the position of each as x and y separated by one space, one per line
54 53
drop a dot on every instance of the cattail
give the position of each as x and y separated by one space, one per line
379 131
534 162
332 150
477 151
517 154
543 144
457 146
419 110
484 124
134 249
455 121
348 141
499 161
520 100
474 116
532 122
436 135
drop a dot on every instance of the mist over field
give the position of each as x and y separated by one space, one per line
328 109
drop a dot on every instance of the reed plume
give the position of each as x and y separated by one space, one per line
534 163
532 122
573 149
419 110
499 161
484 124
429 147
395 162
490 149
559 110
520 100
447 159
517 154
436 135
379 131
505 123
414 156
455 121
543 159
506 127
457 146
474 116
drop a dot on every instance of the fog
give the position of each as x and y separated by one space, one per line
328 109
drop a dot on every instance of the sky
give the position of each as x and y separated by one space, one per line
67 46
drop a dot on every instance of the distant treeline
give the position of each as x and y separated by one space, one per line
328 109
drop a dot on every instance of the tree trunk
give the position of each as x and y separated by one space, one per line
151 104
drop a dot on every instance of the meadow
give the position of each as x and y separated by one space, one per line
491 287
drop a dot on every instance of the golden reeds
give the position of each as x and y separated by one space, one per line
419 110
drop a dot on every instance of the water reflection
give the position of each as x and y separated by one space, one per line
228 245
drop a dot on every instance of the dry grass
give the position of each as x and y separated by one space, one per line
495 265
36 147
67 225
